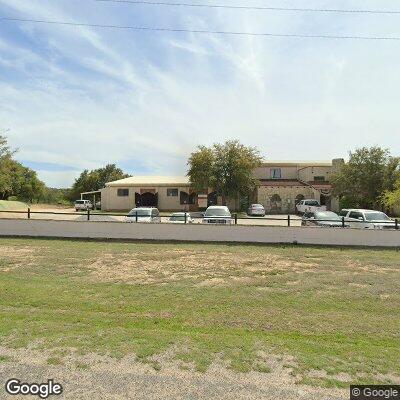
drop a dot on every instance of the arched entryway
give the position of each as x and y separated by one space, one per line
276 204
146 199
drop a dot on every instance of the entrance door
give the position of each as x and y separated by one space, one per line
326 201
149 199
212 199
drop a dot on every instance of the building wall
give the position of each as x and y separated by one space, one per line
309 173
168 203
111 201
264 172
287 194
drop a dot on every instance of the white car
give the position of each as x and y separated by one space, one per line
256 210
143 214
367 219
218 215
309 205
179 218
83 205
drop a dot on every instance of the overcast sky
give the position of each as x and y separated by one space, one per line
78 97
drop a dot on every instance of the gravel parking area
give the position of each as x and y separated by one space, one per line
69 214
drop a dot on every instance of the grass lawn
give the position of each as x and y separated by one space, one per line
6 205
326 313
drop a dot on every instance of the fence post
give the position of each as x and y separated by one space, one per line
288 221
88 214
396 223
136 218
343 224
29 213
185 217
236 218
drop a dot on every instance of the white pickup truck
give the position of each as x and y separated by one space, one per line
309 205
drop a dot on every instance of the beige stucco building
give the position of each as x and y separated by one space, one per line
170 193
281 185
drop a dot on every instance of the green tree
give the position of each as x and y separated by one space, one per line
96 179
391 199
362 181
201 165
56 196
30 187
5 150
226 168
8 177
15 179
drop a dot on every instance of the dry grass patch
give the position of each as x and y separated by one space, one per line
203 268
12 258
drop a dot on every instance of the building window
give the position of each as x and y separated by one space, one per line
319 179
276 173
172 192
123 192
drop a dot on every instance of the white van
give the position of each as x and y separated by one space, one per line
310 206
83 205
144 214
218 215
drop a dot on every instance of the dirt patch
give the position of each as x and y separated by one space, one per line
100 376
322 374
12 257
204 268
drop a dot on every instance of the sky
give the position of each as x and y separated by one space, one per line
73 98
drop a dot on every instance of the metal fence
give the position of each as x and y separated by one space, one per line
234 219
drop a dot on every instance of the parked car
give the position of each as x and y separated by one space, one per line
179 218
367 219
83 205
256 210
309 205
323 219
218 215
142 214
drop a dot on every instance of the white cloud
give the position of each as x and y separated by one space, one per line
85 97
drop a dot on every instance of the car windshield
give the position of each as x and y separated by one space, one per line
217 212
376 216
140 213
178 218
312 203
327 216
257 206
79 202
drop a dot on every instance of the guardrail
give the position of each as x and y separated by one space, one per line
235 218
